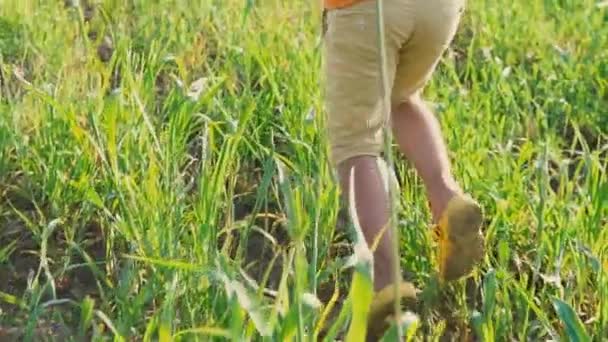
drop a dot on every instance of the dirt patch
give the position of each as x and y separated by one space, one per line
264 260
44 331
575 136
21 264
74 278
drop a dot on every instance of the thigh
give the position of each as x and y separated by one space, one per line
353 89
436 23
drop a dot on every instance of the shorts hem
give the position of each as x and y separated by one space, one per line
336 161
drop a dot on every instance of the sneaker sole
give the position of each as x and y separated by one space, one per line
466 240
382 309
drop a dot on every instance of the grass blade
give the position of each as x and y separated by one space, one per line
574 327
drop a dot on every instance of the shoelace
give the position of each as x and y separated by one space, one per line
437 233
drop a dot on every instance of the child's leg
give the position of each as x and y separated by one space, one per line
356 122
415 127
417 131
418 134
458 218
373 210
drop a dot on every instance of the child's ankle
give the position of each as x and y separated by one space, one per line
439 197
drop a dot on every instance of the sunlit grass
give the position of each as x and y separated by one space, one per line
181 189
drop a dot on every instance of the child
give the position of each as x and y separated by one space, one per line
416 33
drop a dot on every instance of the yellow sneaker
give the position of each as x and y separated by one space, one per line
459 238
382 309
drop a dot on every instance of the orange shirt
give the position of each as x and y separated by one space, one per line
331 4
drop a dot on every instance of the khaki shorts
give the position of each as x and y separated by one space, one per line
417 32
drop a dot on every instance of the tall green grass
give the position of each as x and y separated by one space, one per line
131 207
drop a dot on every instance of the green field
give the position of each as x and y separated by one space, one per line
164 174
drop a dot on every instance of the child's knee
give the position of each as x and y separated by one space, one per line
348 150
414 99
